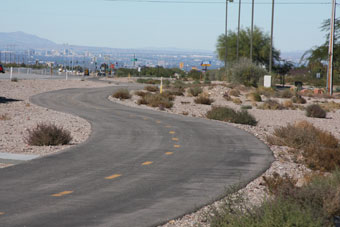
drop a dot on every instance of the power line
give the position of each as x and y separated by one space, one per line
219 2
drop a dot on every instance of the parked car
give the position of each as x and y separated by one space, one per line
2 70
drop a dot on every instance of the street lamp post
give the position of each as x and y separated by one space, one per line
252 31
271 40
238 30
331 51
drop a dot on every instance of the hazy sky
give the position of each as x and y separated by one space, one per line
138 25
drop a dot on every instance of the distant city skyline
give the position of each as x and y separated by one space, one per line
127 24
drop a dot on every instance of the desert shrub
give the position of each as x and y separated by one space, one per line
227 97
266 91
229 115
315 111
122 94
14 79
176 91
234 92
48 135
203 100
330 106
286 94
288 104
271 104
298 99
179 84
246 73
148 81
320 149
255 97
140 93
246 107
278 185
156 100
237 101
4 117
195 91
151 88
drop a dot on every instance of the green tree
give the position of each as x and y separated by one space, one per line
261 46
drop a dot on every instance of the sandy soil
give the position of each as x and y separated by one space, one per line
18 116
268 120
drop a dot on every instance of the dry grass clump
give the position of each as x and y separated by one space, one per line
229 115
195 91
140 93
315 111
271 104
156 100
298 99
203 99
288 104
176 91
14 79
277 184
234 92
285 94
48 135
237 101
122 94
320 149
254 97
268 92
5 117
330 106
151 88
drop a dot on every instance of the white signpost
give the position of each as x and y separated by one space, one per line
267 81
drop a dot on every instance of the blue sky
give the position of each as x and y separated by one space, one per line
140 25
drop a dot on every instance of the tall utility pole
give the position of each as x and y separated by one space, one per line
252 31
226 37
238 29
271 40
330 51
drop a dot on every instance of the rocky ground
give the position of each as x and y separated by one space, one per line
17 115
268 120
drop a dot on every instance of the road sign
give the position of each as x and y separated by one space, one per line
181 65
134 59
206 63
112 66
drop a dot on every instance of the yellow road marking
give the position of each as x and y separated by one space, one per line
169 153
113 176
146 163
168 126
177 146
62 193
175 139
172 132
158 122
2 213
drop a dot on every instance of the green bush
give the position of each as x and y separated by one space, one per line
48 135
246 107
255 97
315 111
148 81
122 94
229 115
246 73
195 91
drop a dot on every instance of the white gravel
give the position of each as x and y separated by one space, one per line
268 120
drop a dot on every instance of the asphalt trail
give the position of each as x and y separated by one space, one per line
138 168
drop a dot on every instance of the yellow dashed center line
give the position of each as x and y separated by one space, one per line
2 213
113 176
169 153
172 132
175 139
62 193
177 146
146 163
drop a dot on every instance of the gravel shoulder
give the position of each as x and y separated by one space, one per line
17 115
268 120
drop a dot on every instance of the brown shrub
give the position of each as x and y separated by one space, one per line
254 97
140 93
234 92
156 100
288 104
330 106
151 88
204 100
48 135
271 104
278 185
298 99
315 111
237 101
122 94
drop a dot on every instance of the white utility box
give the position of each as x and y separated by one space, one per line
267 81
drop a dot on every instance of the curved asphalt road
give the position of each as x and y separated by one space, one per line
138 168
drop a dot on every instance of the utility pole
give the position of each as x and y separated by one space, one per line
226 37
330 51
271 41
238 30
252 31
